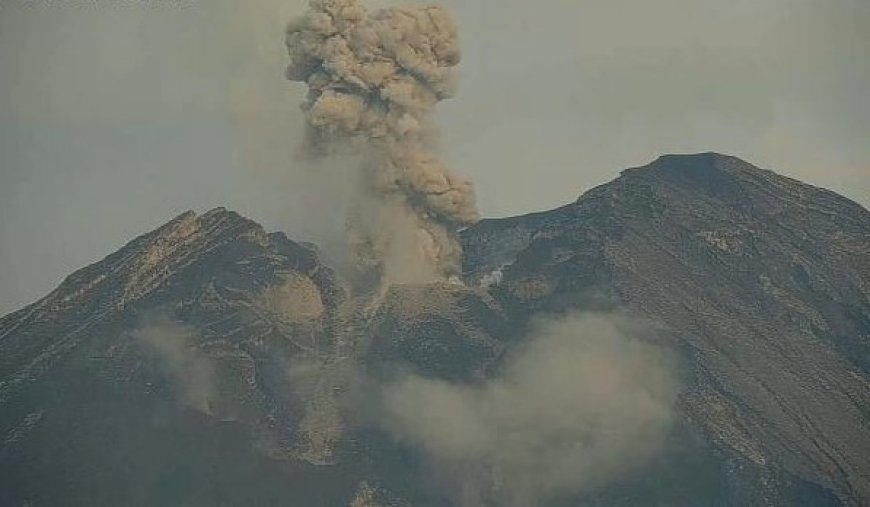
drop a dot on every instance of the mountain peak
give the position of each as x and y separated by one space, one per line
759 282
708 157
729 183
766 276
697 162
712 174
145 262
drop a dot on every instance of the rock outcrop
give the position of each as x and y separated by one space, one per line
209 362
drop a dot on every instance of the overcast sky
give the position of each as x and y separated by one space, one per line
117 115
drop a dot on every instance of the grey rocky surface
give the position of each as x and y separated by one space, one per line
205 363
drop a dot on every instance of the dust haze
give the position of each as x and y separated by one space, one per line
580 403
583 401
185 365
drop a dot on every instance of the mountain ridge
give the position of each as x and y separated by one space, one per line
762 281
737 217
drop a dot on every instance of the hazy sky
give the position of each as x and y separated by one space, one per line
117 115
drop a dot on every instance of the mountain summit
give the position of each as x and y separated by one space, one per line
210 362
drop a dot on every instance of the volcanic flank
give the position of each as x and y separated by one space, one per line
374 80
759 280
692 333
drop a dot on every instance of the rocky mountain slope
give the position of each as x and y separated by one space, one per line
209 362
764 279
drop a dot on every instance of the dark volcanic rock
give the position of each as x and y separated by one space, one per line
439 330
765 280
93 415
204 363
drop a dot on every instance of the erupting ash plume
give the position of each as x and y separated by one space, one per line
374 80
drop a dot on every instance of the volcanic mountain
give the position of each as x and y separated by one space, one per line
206 362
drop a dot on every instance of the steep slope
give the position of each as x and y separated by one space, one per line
159 375
765 280
209 362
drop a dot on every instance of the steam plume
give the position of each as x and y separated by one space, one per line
583 403
374 80
188 367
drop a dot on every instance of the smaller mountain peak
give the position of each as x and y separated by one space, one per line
177 229
190 217
186 216
224 219
217 221
183 220
148 260
220 211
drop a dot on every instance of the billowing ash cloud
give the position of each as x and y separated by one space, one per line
583 403
374 80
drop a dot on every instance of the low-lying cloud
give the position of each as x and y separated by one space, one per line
188 367
582 402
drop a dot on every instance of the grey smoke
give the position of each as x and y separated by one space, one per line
374 80
581 403
188 367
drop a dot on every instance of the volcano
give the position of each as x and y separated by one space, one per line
206 362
